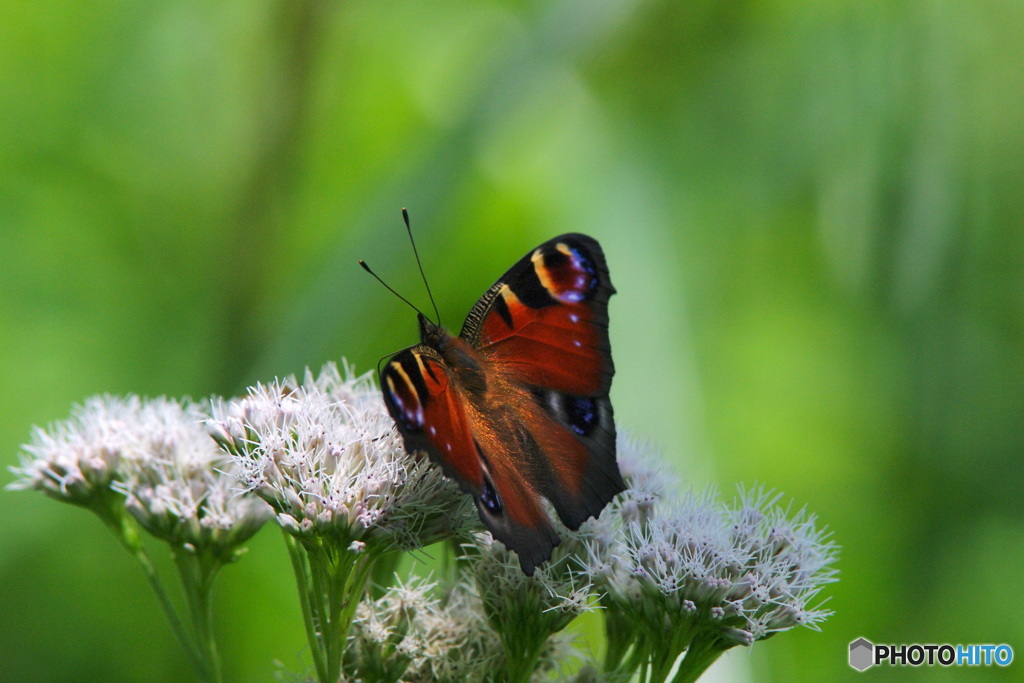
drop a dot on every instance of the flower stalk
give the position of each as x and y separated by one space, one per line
699 656
336 585
126 531
198 573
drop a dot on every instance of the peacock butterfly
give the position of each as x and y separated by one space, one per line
516 407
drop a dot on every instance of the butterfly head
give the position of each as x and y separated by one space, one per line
431 334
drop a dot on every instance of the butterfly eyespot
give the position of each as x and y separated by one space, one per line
567 274
489 498
582 414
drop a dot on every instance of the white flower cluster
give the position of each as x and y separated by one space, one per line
326 456
76 460
413 634
734 574
418 633
529 614
184 490
556 594
673 573
154 452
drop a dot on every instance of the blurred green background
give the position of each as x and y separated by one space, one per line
812 212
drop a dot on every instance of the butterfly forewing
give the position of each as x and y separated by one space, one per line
430 414
547 318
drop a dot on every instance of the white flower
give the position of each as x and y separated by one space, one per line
327 457
179 485
76 459
741 572
528 613
414 633
154 452
556 589
648 484
696 575
644 469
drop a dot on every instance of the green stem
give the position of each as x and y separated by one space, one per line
701 654
118 521
663 661
300 566
335 585
348 586
638 657
198 573
331 581
521 667
324 572
617 646
670 646
383 575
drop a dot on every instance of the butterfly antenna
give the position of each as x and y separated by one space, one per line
416 253
388 287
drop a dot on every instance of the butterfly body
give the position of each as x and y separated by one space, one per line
515 408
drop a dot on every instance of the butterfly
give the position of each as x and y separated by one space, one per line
516 407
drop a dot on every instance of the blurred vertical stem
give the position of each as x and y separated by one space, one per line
111 510
663 649
619 636
282 107
198 570
383 574
522 664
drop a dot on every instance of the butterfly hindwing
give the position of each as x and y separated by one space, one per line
511 508
578 436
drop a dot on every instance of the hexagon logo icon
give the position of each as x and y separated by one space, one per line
862 654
